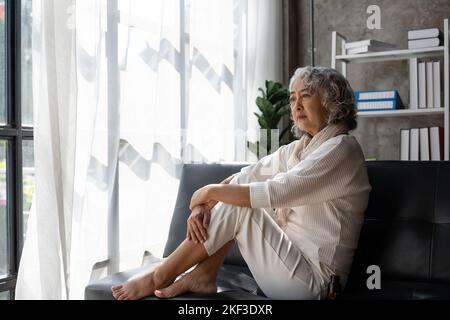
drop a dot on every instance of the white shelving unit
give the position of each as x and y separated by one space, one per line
405 54
400 113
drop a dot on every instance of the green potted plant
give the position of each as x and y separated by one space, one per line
273 104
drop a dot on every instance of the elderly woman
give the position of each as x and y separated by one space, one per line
296 214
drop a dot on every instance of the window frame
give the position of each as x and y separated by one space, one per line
14 134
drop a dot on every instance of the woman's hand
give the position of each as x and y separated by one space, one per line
199 197
198 221
197 224
233 194
202 197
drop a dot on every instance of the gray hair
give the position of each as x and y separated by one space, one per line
334 91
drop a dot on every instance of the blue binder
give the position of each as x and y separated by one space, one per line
377 100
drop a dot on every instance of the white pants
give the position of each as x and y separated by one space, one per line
278 266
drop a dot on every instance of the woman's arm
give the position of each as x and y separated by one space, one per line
234 194
333 171
239 194
210 204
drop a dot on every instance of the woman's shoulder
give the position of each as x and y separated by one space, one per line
343 140
290 146
344 144
287 149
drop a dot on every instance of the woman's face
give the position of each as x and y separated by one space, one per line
307 110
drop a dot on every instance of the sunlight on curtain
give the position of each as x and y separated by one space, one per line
211 117
150 124
94 171
264 56
44 271
157 84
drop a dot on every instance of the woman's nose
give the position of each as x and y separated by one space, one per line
298 104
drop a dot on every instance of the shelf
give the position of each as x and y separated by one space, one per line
391 55
345 60
401 113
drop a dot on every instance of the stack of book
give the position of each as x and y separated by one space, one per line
365 46
424 38
377 100
422 144
424 84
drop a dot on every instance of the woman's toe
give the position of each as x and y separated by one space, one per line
117 293
116 288
170 291
122 296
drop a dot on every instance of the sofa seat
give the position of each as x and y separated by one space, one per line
400 290
406 233
233 283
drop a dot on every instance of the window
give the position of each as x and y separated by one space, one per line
28 181
2 63
3 213
16 137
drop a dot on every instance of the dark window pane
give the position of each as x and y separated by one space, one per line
28 180
2 63
26 60
4 252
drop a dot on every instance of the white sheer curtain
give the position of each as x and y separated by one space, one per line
124 93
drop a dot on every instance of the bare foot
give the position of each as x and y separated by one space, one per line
197 281
135 288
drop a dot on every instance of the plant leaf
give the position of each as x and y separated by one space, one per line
263 93
273 103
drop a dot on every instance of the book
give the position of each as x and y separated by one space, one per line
437 143
376 105
437 84
430 90
371 100
424 146
404 144
414 144
413 85
424 33
365 49
422 85
375 94
424 43
368 42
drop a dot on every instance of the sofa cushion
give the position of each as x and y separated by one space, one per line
233 283
400 290
406 231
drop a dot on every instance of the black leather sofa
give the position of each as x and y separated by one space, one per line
406 234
